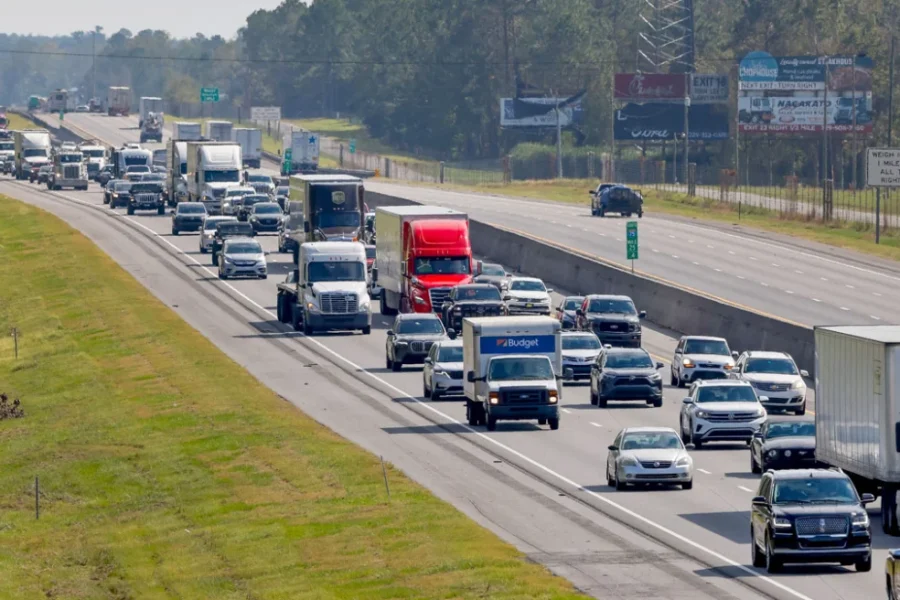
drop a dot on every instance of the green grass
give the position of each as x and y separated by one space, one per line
344 130
19 122
850 235
168 471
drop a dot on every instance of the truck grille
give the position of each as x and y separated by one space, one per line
523 396
455 374
731 417
773 387
656 464
71 172
822 526
145 198
480 311
437 296
339 303
419 347
612 326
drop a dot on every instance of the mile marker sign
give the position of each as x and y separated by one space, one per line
883 167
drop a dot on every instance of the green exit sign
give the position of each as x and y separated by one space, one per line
631 240
209 94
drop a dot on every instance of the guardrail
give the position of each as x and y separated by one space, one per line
361 173
674 307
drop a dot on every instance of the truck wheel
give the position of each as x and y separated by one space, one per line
215 257
491 423
130 210
601 401
279 308
754 467
295 318
307 329
554 424
864 566
657 402
367 330
593 398
471 417
396 365
889 510
174 231
542 421
161 210
203 250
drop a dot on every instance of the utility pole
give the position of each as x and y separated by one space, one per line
825 138
687 135
890 139
94 65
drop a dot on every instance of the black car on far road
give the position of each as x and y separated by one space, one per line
228 229
809 516
188 216
410 338
784 444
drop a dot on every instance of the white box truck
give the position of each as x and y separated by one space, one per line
118 101
512 370
250 141
185 131
858 409
147 105
32 150
328 290
212 168
301 151
219 131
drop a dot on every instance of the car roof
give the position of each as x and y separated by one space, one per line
648 430
807 473
457 343
191 204
240 239
406 316
242 223
517 278
767 354
481 286
267 203
608 297
621 350
220 217
577 334
723 383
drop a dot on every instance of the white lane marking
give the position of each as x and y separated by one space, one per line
741 277
775 265
704 471
553 222
752 258
848 286
567 411
488 439
874 317
674 256
844 308
655 250
731 252
672 236
816 300
798 271
595 424
696 263
569 226
710 247
823 278
764 284
602 235
745 489
788 292
718 270
690 241
876 294
586 230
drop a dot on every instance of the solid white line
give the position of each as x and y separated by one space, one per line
775 265
745 489
844 308
674 256
488 439
798 272
596 424
567 411
788 292
764 284
741 277
816 300
847 285
876 318
704 471
718 270
696 263
710 247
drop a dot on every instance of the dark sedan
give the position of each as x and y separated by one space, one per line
265 216
784 444
410 339
188 216
247 205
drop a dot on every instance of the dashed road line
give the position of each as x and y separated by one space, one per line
746 489
596 424
704 471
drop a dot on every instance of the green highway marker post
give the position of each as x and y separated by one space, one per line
631 242
288 157
352 146
62 115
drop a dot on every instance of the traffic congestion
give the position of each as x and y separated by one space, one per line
504 352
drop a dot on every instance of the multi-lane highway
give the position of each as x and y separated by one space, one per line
544 491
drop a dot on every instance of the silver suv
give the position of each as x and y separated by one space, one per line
242 257
700 357
724 410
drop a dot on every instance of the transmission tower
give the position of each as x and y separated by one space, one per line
666 42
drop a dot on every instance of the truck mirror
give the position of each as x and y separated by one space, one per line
470 376
306 227
568 374
374 274
451 333
642 314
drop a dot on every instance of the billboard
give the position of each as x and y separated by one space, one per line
262 114
804 114
709 88
663 121
651 87
762 71
567 116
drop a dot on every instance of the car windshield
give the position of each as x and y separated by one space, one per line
282 190
7 145
492 270
123 186
451 354
612 306
226 176
94 153
267 209
774 366
524 368
244 248
370 251
251 200
811 490
210 224
338 219
443 265
726 393
146 188
191 209
715 347
527 285
32 152
335 271
791 429
651 441
234 228
629 360
473 293
259 179
572 303
580 342
420 325
70 158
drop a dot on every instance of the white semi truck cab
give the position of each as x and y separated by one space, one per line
328 290
512 370
95 158
212 169
69 171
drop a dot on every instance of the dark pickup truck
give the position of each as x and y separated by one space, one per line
228 229
471 300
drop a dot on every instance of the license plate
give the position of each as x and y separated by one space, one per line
529 305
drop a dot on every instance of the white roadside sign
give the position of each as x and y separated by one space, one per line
883 167
265 113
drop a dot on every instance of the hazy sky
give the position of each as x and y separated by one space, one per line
209 17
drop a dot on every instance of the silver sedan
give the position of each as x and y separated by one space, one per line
645 455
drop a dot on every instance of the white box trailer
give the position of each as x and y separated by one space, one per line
301 151
186 131
858 409
512 369
147 105
250 141
219 131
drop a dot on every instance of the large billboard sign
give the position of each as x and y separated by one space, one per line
567 115
762 71
650 87
804 114
709 88
663 121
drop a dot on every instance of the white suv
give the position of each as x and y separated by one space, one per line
527 296
776 376
700 357
725 410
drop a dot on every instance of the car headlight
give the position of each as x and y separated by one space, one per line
364 306
655 377
772 453
760 412
684 461
782 523
798 385
228 259
441 374
628 461
311 307
688 363
787 453
553 396
701 414
860 519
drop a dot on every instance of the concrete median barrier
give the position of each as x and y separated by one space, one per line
667 305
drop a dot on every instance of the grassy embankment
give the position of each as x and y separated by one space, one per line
20 122
167 471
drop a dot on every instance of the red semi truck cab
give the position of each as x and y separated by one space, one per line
422 252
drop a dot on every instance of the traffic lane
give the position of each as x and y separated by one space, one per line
115 130
599 555
157 221
705 517
605 240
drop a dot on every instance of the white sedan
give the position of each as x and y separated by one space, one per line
649 455
527 296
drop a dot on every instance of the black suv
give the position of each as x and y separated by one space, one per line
227 229
146 196
784 444
411 337
188 216
247 203
809 516
613 319
471 300
626 374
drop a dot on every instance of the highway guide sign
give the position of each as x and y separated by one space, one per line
883 167
209 94
631 239
265 114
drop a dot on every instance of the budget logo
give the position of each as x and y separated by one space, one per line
518 343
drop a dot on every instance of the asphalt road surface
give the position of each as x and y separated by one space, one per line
543 491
